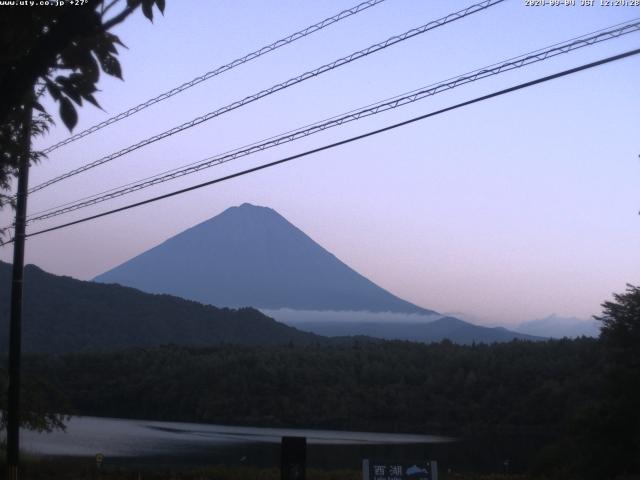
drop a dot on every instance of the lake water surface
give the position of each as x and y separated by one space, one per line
141 441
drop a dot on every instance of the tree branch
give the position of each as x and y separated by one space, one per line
121 17
108 7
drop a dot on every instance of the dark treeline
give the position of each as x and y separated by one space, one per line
539 393
573 403
389 386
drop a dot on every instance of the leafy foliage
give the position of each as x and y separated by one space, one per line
621 323
12 134
38 398
60 52
603 436
611 430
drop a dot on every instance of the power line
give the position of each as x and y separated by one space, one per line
280 86
219 70
374 109
517 62
602 34
343 142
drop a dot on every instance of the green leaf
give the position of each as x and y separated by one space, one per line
91 99
110 65
82 83
108 46
161 5
70 91
53 89
69 88
84 86
114 39
68 113
75 57
147 9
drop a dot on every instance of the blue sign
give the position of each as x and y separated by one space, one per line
389 470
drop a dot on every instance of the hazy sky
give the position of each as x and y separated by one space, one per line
504 211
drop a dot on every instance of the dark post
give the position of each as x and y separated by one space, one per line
294 458
13 421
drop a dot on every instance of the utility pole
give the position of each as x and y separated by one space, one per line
15 324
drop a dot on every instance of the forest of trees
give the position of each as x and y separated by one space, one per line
574 402
538 391
391 386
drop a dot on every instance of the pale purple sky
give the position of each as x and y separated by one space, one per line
504 211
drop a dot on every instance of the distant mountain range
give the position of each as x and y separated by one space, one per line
252 256
554 326
397 327
62 314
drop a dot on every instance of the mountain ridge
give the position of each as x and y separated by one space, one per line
432 329
62 314
556 326
252 256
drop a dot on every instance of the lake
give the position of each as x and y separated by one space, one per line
168 443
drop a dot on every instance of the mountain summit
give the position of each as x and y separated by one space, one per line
252 256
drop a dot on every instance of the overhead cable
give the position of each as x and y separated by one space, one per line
276 88
389 104
342 142
217 71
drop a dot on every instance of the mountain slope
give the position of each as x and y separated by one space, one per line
62 314
252 256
